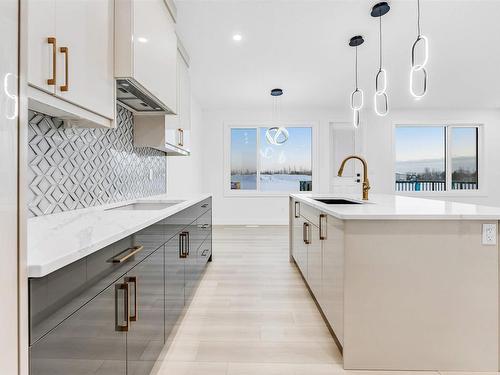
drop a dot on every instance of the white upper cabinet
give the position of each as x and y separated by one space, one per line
86 31
70 60
146 55
178 126
42 47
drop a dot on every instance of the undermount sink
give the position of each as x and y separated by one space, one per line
144 206
336 201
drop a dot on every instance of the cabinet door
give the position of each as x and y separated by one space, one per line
332 301
85 28
174 285
88 342
41 26
184 93
155 50
192 269
145 338
299 250
314 261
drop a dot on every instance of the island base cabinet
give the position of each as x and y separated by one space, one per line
87 343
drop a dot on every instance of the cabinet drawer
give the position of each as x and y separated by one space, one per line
190 214
56 296
309 213
205 251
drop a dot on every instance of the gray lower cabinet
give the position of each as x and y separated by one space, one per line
103 317
87 342
146 337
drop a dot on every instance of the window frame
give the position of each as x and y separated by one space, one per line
448 126
228 192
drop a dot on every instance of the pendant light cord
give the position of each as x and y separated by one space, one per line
380 42
356 65
418 17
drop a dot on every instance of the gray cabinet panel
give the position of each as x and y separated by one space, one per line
174 285
84 343
145 337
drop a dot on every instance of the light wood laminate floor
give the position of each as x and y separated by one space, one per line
253 315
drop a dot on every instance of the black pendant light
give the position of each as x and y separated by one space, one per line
419 67
357 96
379 10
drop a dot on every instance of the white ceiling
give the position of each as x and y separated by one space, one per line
301 46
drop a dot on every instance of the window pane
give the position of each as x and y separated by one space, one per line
286 167
243 159
464 158
420 158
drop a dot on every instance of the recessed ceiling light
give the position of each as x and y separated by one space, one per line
142 39
237 37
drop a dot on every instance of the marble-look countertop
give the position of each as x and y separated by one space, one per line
57 240
397 207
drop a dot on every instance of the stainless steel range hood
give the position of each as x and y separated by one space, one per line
134 96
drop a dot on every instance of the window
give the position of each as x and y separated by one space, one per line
257 165
437 158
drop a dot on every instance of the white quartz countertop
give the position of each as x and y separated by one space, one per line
57 240
397 207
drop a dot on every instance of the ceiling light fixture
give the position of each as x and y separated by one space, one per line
379 10
237 37
419 67
277 134
357 96
141 39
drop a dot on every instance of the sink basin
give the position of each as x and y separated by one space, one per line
144 206
336 201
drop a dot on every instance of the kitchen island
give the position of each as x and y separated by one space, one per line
403 283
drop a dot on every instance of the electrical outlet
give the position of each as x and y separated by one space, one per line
150 174
489 234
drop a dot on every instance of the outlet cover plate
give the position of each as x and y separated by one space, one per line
489 234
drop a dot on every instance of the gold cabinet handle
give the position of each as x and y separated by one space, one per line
126 254
133 280
183 244
306 234
181 137
65 51
123 325
52 40
322 227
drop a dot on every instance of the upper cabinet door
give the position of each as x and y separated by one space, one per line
41 50
184 104
155 50
85 54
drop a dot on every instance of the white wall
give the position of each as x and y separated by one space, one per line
184 174
378 133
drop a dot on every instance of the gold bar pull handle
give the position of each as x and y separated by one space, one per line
126 254
182 245
133 280
297 210
322 227
181 137
306 233
52 40
123 324
65 51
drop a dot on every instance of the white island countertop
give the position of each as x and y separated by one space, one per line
397 207
57 240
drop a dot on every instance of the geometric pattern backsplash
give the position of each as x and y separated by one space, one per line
78 168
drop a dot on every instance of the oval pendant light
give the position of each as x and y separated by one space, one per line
276 135
379 10
419 67
357 96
